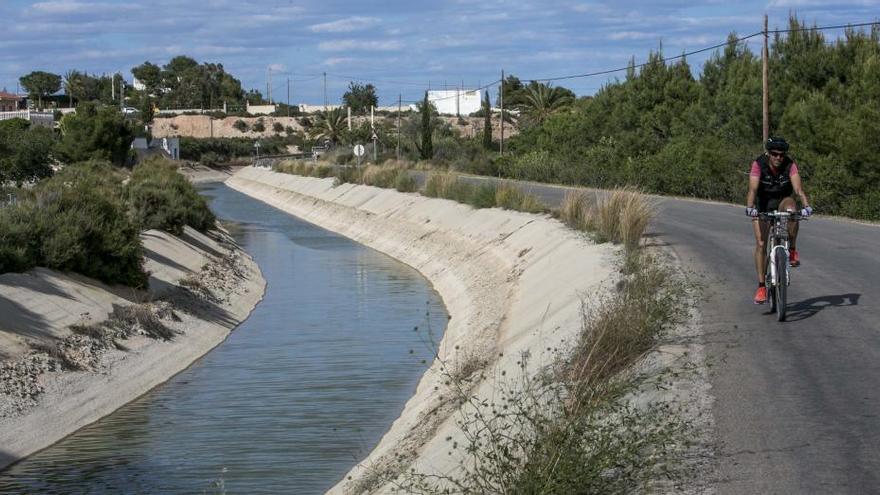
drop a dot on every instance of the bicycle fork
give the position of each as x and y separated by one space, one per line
779 250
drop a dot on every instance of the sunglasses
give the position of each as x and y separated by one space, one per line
777 154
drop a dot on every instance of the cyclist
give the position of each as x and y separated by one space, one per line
773 180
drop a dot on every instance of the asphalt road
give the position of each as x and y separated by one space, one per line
797 404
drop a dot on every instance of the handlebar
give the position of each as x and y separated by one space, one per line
791 215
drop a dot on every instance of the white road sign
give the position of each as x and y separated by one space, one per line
359 150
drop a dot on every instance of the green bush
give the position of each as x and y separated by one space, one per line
76 221
259 126
241 125
227 149
95 133
25 151
161 198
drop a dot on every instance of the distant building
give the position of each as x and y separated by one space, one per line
167 147
456 101
137 84
9 102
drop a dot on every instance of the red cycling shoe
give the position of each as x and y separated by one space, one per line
761 295
794 258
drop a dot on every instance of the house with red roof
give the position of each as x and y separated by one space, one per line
9 102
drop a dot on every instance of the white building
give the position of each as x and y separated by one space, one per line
137 85
456 101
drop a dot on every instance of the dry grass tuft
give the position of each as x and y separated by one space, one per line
441 185
622 216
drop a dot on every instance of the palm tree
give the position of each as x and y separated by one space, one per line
539 101
329 125
73 85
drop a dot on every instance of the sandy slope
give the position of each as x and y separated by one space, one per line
43 404
513 284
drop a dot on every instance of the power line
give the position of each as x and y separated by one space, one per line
706 49
628 67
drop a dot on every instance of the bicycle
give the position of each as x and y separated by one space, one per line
777 269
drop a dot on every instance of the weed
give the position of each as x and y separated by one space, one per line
140 316
569 427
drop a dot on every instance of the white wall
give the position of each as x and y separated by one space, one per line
455 101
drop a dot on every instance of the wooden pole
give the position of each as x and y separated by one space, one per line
501 104
766 84
399 104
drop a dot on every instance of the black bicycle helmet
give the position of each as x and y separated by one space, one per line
776 144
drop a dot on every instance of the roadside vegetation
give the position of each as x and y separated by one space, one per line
575 426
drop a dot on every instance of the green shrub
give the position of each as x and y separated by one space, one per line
76 221
95 133
483 196
404 182
259 126
161 198
241 125
278 127
25 151
226 149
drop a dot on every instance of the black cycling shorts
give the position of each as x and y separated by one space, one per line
766 205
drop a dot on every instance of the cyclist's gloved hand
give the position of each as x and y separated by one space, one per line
751 211
807 211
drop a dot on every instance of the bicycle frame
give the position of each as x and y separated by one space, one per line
777 268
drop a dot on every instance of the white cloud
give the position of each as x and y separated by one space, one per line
821 3
632 35
334 61
74 7
346 25
352 45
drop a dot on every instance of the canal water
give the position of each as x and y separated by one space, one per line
300 392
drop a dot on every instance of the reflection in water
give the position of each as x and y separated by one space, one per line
297 394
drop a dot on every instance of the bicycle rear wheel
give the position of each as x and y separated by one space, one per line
781 284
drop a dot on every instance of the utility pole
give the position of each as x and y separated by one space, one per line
399 102
766 78
288 96
501 99
325 91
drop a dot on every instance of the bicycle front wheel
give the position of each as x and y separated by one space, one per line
781 284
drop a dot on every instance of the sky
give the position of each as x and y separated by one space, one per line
402 47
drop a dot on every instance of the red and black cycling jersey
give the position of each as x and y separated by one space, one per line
774 184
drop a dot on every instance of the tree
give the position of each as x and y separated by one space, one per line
25 151
360 98
39 84
329 125
487 123
95 132
511 87
150 75
538 101
426 150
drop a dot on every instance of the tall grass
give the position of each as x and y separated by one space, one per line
622 215
448 185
